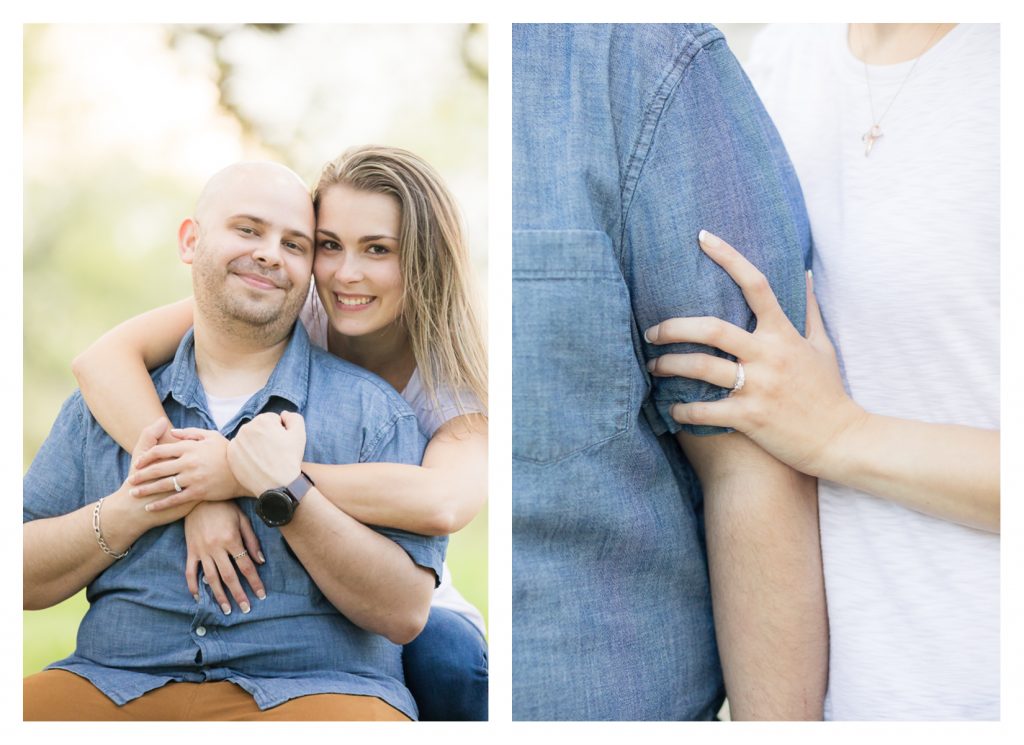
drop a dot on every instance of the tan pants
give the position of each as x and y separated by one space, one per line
57 695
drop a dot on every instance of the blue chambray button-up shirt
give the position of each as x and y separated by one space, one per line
627 140
144 629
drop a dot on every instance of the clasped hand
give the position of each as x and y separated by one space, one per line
792 403
266 452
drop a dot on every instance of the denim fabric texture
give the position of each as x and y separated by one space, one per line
144 629
446 669
627 141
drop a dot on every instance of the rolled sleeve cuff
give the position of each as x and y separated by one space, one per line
425 551
658 409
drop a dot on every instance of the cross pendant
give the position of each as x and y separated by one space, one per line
870 137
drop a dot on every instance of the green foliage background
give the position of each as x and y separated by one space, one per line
102 211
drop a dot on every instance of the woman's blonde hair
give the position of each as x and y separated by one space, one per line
437 299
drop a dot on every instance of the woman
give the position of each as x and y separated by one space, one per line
893 131
392 279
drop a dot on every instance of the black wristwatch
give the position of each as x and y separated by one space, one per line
276 506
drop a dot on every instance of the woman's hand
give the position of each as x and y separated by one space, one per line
267 452
196 460
220 537
792 402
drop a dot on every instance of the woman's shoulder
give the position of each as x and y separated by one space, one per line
314 319
447 403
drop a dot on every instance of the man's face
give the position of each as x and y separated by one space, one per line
251 250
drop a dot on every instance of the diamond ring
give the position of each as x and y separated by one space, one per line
741 378
236 557
177 486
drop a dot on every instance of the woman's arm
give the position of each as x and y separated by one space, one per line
437 498
794 406
113 371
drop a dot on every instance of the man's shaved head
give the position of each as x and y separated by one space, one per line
226 181
250 244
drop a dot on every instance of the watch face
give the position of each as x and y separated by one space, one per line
275 507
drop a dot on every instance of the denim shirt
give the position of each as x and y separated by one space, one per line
627 140
143 628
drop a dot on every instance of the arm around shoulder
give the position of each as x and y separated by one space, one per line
113 372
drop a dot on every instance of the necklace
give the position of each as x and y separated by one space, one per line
875 130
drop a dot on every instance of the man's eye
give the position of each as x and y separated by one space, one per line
293 246
246 229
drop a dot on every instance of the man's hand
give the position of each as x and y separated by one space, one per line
267 452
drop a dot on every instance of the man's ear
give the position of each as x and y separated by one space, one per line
188 237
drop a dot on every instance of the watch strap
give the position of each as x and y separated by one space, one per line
300 486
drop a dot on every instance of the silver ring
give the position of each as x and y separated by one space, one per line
177 486
741 378
239 556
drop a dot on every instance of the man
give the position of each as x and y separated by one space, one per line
627 141
339 595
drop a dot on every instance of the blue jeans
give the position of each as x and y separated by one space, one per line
446 669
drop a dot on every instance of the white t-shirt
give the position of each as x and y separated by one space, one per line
906 270
430 419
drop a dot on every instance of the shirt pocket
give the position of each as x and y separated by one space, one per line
573 363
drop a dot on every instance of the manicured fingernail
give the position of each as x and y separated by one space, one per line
261 595
710 240
259 555
149 508
245 607
196 596
651 334
226 608
133 492
205 581
651 364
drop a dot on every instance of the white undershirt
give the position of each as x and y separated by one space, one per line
224 408
906 269
430 419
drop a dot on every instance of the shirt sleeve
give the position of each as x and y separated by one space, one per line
714 162
402 442
55 482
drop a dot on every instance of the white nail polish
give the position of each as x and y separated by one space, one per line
227 609
196 596
710 239
245 607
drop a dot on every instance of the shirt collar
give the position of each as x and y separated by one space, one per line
289 380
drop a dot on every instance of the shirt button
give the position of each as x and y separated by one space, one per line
201 631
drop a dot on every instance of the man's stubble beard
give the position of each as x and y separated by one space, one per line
240 312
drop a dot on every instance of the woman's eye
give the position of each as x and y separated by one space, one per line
329 245
378 250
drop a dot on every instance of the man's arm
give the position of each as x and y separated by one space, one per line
62 554
365 575
764 557
381 589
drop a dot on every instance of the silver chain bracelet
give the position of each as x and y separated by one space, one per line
99 533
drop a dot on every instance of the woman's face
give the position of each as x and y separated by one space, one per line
356 266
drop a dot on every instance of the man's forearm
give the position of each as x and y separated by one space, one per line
366 576
62 555
767 591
